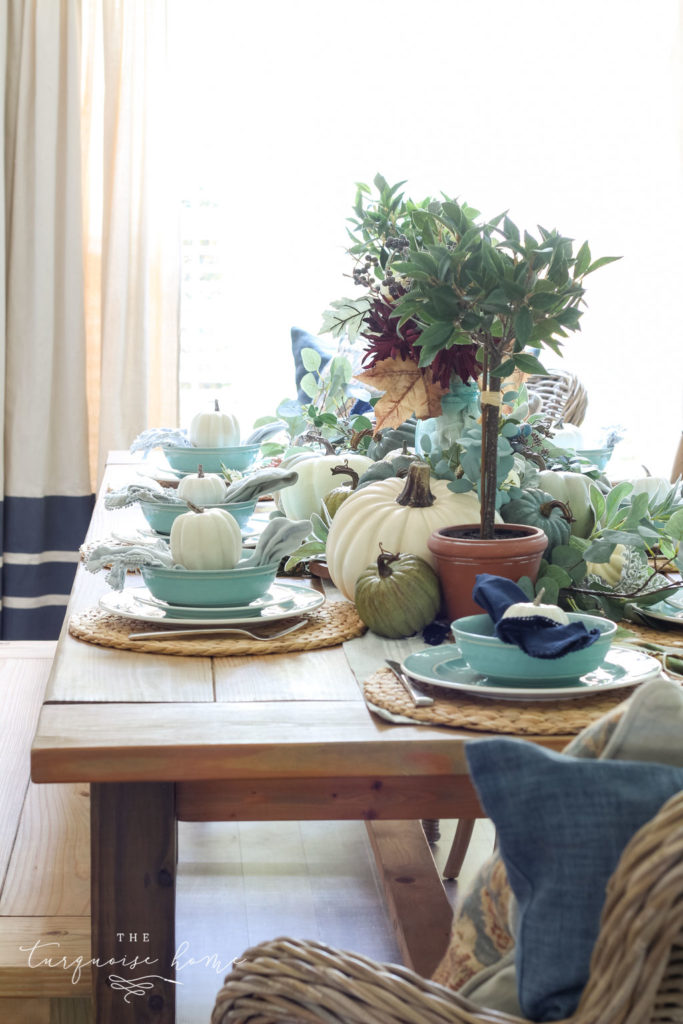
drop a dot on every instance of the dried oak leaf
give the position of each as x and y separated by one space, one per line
408 390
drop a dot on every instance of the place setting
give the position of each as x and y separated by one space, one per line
520 667
202 592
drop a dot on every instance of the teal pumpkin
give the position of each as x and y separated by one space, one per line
398 595
394 437
538 508
382 470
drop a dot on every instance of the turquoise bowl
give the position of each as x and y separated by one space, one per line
485 653
209 588
598 456
160 515
186 460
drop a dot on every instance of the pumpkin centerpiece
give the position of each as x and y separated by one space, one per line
202 488
316 480
398 595
401 514
206 539
214 429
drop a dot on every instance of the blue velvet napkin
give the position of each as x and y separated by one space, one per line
537 635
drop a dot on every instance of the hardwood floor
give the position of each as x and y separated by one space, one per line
239 884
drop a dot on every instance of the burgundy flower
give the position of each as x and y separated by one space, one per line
385 341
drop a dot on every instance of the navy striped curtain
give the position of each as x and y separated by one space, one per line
44 476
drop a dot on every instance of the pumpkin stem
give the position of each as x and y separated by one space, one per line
539 597
195 508
216 406
384 561
546 508
316 437
200 471
346 471
416 492
357 436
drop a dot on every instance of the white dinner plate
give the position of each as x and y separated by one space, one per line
277 594
439 666
676 600
125 603
665 611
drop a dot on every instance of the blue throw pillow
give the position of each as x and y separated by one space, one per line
302 339
562 825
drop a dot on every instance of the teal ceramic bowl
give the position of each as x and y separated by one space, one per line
209 588
160 515
598 456
485 653
186 460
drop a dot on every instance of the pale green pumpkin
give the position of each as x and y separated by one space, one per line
574 490
398 595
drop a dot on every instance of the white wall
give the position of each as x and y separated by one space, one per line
565 114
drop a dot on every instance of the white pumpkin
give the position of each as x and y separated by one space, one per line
202 488
214 429
568 436
315 481
656 488
573 489
376 515
210 539
529 609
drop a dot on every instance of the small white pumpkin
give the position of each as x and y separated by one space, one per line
397 514
529 609
202 488
214 429
206 539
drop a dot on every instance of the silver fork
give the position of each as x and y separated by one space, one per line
419 699
220 631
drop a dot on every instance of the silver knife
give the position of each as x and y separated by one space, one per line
419 699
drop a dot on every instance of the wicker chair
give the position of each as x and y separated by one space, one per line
562 394
636 974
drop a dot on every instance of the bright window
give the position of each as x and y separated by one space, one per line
567 115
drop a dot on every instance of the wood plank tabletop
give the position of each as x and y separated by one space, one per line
123 716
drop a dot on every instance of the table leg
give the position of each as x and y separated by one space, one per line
133 872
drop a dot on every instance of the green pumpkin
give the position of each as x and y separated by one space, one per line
335 498
538 508
398 595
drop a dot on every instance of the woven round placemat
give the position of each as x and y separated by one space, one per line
328 626
462 710
672 637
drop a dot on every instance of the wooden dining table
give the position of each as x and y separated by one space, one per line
164 738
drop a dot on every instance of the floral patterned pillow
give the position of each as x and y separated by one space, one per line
481 933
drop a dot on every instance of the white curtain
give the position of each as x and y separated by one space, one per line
46 490
131 222
88 237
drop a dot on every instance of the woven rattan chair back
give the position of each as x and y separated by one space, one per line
636 974
562 394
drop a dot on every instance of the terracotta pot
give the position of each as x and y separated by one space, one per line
460 554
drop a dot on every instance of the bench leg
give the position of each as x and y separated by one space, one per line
133 876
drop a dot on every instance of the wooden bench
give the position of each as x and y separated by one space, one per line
44 861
